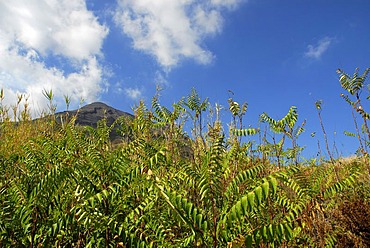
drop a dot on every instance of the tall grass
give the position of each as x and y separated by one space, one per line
67 186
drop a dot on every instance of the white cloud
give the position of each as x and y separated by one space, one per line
226 3
172 30
133 93
62 27
316 52
33 32
161 79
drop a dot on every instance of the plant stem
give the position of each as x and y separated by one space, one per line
325 137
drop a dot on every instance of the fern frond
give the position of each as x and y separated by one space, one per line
252 200
192 216
341 185
243 177
352 84
245 132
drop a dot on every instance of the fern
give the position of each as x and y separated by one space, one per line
245 132
68 186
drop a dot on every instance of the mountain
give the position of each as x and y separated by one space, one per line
90 114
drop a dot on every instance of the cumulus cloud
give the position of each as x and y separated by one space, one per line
161 79
133 93
226 3
33 32
23 74
316 51
172 30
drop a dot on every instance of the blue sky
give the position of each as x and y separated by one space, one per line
271 54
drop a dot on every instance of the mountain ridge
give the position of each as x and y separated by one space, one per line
90 114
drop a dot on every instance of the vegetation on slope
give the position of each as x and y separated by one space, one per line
68 186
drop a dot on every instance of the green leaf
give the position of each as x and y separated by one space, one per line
238 209
244 203
265 188
273 183
258 192
249 241
251 199
245 132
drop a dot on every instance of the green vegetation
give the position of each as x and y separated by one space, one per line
68 186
